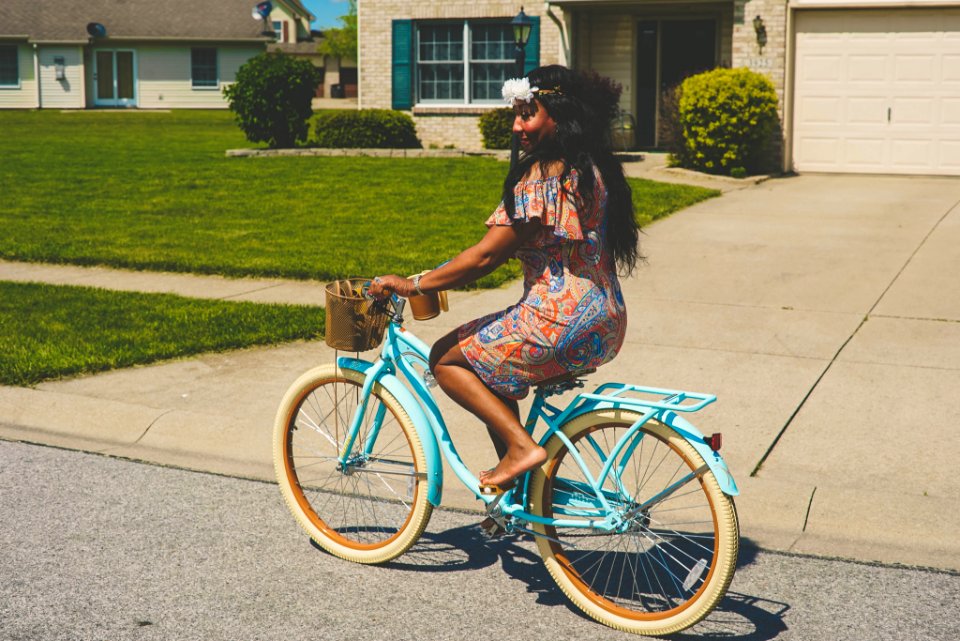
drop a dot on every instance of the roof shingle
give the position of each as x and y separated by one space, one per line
52 20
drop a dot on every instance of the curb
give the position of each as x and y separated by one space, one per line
729 180
373 153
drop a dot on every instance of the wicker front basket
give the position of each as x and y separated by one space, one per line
354 324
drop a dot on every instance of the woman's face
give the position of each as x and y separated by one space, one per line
532 123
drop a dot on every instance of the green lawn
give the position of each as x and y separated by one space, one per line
48 332
154 191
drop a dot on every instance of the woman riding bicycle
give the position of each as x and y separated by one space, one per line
567 215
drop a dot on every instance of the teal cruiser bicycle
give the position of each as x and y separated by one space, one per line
633 511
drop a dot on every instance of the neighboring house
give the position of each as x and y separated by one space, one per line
290 22
154 54
864 85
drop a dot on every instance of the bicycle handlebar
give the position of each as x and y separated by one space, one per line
393 300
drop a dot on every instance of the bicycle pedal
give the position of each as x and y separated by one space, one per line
488 489
492 530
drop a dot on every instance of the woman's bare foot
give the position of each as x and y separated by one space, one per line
515 463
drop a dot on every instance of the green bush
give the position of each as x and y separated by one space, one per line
496 127
365 129
728 118
272 97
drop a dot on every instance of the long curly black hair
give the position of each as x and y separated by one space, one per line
583 105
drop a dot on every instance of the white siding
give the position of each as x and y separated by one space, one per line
165 81
66 93
611 51
24 97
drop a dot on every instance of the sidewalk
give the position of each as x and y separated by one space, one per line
823 311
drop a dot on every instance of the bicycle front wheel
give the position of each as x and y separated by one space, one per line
374 506
671 557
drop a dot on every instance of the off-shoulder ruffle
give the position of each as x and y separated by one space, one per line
547 199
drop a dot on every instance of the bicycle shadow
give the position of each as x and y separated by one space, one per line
453 550
739 617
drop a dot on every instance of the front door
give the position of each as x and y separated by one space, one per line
114 74
668 51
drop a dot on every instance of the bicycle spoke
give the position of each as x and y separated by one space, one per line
663 546
365 496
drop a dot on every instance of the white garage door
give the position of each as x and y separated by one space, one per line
877 91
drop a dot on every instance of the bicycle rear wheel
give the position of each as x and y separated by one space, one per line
373 508
669 562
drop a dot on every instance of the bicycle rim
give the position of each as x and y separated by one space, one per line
668 565
375 507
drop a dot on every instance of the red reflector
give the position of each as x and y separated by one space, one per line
715 441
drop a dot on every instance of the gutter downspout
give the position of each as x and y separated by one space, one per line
561 26
36 73
359 64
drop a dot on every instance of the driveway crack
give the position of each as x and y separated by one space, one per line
806 397
152 423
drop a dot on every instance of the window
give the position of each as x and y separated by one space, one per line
9 66
278 30
463 62
203 67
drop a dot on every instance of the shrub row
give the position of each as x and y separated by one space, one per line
719 121
496 127
364 129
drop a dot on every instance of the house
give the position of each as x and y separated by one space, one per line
864 85
145 54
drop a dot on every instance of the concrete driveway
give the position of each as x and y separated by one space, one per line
825 313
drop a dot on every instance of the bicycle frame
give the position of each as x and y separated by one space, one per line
402 351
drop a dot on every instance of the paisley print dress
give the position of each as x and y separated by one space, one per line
572 314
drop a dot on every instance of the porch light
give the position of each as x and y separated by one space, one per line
761 30
522 25
521 29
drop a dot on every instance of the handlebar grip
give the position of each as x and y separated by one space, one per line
365 292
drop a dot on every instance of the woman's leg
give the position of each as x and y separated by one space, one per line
501 416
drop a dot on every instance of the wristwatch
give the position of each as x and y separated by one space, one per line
416 284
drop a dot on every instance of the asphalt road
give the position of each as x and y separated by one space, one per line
96 548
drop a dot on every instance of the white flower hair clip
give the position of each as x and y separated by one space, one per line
518 89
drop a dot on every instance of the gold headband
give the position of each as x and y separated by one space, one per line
555 90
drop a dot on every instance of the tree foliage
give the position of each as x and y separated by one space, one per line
271 98
342 43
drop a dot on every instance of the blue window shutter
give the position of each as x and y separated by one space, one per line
402 77
533 47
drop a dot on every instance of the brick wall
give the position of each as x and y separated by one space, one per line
772 61
441 127
435 126
746 52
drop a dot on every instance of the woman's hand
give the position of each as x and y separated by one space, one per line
383 286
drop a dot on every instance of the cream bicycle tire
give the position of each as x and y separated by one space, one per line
574 568
378 510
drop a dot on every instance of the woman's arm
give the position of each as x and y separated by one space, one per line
499 244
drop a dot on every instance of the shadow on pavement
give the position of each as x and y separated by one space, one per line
741 617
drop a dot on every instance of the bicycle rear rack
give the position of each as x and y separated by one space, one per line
621 395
